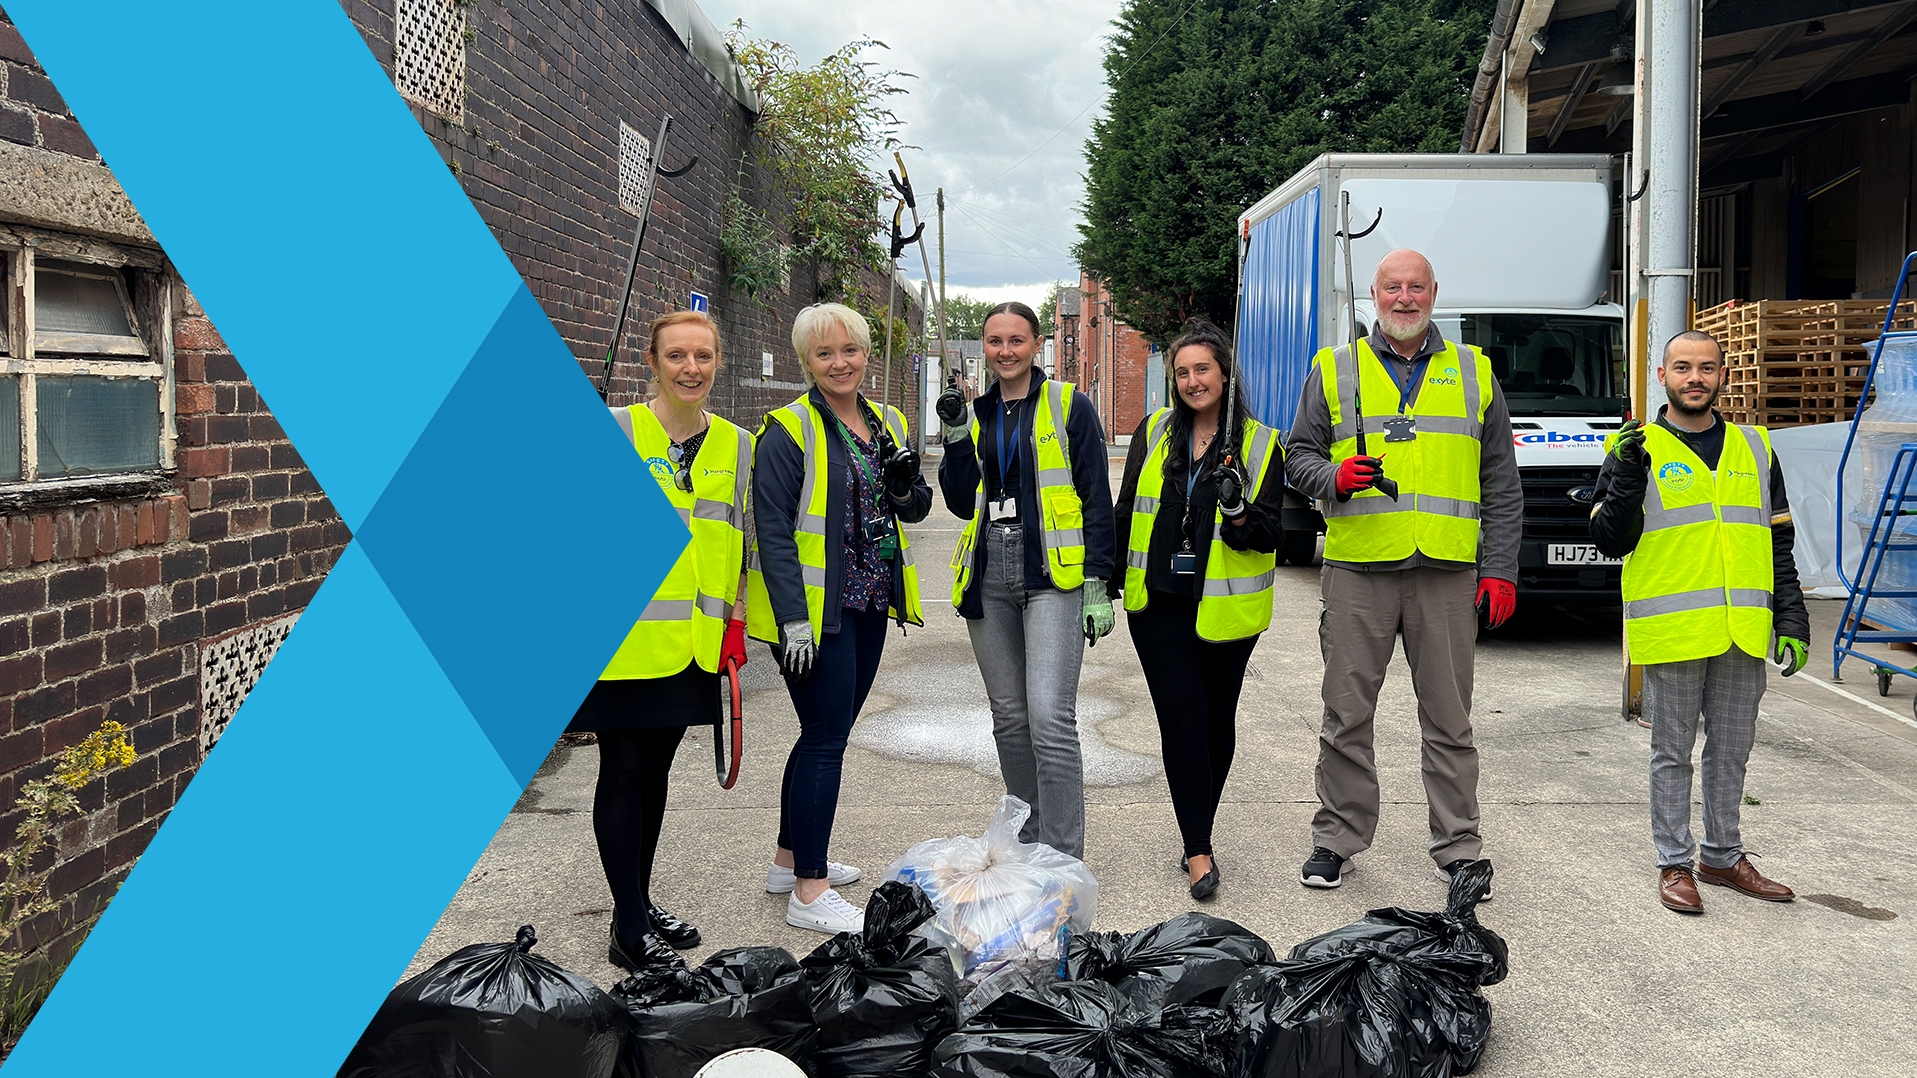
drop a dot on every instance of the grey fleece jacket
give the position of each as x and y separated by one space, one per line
1310 470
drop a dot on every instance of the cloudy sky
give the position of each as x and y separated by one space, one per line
996 79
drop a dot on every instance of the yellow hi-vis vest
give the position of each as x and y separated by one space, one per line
1062 531
1237 599
1436 512
1701 577
809 431
686 620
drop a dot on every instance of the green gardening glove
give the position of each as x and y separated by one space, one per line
1792 654
1628 446
1097 620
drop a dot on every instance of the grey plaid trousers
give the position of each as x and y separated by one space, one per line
1724 691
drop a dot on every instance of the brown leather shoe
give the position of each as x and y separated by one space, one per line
1744 877
1678 891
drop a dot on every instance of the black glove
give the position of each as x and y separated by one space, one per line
1231 491
951 406
901 472
1629 447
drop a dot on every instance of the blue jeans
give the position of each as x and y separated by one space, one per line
827 702
1030 649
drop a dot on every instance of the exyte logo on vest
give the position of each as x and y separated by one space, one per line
1449 377
1676 475
661 467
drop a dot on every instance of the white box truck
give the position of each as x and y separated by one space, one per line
1521 244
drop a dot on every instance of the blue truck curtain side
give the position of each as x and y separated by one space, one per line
1277 317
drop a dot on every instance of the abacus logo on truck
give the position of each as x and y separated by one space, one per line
1552 437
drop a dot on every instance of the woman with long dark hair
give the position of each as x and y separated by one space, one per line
1198 514
1028 474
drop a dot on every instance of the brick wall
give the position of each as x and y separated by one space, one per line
1116 360
107 603
537 149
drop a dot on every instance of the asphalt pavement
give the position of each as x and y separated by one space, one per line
1604 980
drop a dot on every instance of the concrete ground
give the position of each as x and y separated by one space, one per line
1604 980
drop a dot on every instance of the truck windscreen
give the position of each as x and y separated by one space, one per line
1551 364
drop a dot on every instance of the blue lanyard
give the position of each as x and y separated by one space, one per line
1406 389
1004 459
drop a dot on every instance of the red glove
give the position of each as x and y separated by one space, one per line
1502 595
1356 474
733 650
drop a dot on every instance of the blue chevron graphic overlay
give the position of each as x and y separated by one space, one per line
312 218
481 537
354 282
296 877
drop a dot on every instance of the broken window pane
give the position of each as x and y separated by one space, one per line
90 424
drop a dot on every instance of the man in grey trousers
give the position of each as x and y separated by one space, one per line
1438 435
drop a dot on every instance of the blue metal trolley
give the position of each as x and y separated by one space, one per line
1893 528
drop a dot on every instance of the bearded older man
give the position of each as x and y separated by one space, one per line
1426 516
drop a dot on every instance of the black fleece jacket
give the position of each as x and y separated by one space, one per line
1618 521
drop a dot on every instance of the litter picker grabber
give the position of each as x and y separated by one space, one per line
900 241
1389 487
902 182
729 709
653 173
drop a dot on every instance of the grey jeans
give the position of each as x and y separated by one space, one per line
1030 648
1724 692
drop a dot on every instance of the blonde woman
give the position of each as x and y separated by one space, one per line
665 676
834 479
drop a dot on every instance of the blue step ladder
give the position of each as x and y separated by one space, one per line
1893 528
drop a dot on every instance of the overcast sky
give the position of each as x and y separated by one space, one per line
996 78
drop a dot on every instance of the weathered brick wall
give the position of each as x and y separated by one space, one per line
108 604
536 147
1119 355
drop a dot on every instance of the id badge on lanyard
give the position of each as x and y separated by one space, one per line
1006 506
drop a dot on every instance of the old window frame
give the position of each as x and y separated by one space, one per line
145 284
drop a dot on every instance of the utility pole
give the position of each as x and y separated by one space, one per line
942 358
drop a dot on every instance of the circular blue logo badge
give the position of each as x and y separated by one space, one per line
1675 474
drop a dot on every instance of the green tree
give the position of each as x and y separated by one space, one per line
965 317
1237 97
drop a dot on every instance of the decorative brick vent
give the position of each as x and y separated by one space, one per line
635 154
229 668
429 54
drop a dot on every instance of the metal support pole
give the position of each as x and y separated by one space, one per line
961 366
1671 197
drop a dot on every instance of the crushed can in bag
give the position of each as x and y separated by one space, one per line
1006 909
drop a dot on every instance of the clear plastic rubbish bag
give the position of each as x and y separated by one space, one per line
1395 995
492 1010
1006 909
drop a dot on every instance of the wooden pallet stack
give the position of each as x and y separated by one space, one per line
1795 362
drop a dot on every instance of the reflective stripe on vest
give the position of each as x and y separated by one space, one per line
808 431
1062 529
686 620
1701 576
1437 508
1236 598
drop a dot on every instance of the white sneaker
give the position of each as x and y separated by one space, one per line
781 881
827 913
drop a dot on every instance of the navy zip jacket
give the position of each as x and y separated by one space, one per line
778 477
960 474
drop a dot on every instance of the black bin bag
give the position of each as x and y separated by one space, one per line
883 998
1395 995
747 997
1197 955
1088 1029
492 1010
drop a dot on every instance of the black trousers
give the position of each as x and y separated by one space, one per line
1194 685
628 808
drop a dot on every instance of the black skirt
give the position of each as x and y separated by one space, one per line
687 698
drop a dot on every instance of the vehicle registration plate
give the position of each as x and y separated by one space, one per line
1577 554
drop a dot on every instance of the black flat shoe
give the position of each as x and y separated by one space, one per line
1207 885
652 952
677 934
